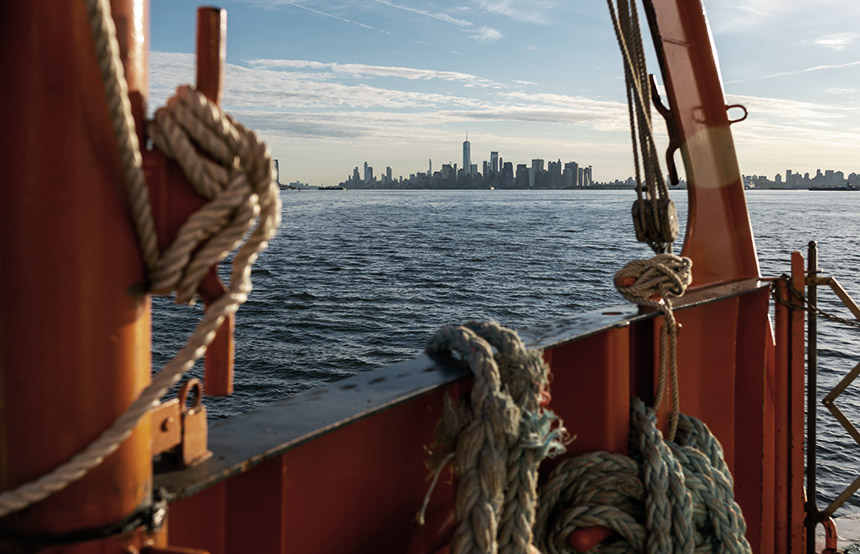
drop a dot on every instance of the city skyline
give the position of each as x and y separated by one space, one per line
327 83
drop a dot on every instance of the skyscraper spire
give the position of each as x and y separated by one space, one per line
467 156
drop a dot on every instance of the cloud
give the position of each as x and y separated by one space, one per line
482 34
343 19
523 11
797 71
843 91
836 41
487 34
364 70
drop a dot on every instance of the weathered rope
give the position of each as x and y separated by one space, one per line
241 187
498 440
672 497
667 275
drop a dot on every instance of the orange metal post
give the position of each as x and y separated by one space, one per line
75 322
174 199
719 237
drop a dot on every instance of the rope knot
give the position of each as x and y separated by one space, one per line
496 437
236 175
664 274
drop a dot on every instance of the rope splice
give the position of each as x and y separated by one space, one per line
497 438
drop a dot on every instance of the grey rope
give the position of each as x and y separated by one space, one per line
672 497
497 440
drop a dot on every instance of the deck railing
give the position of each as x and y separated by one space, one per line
814 515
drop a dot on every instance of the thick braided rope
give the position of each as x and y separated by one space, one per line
667 275
523 436
523 373
612 491
250 175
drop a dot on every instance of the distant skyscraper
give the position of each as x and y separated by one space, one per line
366 173
494 161
467 156
429 167
388 174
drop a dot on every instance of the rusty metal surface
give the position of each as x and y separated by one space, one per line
242 442
166 426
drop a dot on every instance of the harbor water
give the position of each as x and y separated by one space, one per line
356 280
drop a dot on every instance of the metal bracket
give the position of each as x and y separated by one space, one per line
179 430
674 141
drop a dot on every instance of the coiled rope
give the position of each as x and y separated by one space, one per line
672 496
496 439
240 185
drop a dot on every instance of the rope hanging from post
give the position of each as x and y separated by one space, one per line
240 185
666 275
497 438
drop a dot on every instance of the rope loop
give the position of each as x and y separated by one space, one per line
496 438
669 497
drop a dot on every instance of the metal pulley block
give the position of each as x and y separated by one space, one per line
655 226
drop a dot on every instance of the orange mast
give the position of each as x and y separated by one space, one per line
75 322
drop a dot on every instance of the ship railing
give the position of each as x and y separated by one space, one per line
814 516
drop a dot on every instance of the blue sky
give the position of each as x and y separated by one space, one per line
333 83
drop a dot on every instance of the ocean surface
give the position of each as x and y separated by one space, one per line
356 280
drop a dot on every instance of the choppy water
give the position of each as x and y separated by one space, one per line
358 279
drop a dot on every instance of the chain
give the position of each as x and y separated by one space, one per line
805 303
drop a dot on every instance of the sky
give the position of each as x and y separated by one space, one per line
330 84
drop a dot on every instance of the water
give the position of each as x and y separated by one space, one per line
358 279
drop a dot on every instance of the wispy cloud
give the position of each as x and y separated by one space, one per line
797 71
481 34
337 17
843 91
364 70
836 41
524 11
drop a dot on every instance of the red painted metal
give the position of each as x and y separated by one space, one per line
74 327
719 236
174 199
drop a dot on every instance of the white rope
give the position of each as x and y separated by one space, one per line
241 188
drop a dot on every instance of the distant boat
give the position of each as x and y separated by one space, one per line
333 187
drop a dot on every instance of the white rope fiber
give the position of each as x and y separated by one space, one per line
240 186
